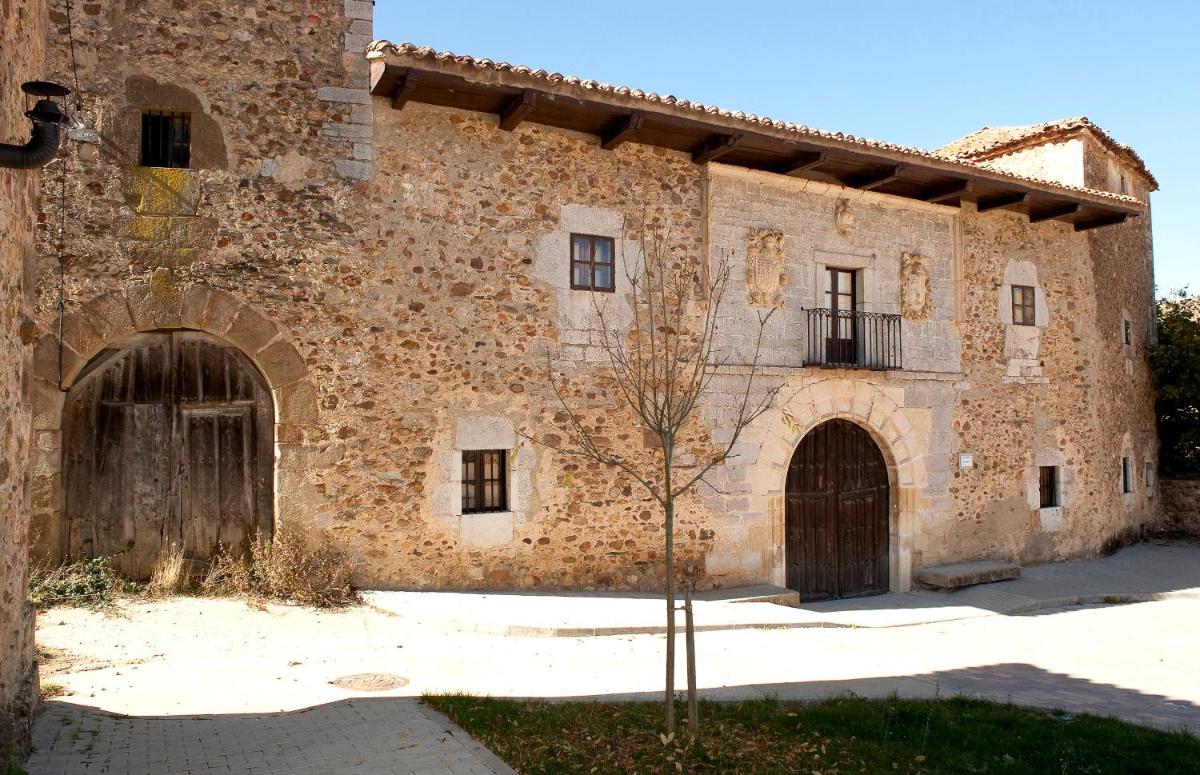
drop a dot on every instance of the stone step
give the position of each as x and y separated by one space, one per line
756 593
966 574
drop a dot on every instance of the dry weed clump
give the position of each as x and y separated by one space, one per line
283 568
91 583
170 575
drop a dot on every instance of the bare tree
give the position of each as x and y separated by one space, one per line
664 354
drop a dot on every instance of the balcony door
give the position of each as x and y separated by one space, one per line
840 299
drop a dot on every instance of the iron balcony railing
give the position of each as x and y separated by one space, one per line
853 340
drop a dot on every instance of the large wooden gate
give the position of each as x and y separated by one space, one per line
837 514
168 443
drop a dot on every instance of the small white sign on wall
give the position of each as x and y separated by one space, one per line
966 459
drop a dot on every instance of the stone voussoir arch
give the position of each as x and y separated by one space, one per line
157 305
872 408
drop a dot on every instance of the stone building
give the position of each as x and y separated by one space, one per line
310 279
22 57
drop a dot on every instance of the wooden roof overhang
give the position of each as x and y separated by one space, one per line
617 119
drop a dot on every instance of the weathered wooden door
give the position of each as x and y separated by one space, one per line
837 514
168 443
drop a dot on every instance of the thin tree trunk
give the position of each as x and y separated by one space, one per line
669 693
689 629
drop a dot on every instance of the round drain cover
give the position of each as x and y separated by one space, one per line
370 682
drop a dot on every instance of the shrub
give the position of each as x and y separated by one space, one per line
283 568
1176 363
84 582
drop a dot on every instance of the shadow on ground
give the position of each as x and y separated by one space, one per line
402 735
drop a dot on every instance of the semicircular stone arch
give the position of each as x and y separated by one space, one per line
876 409
157 306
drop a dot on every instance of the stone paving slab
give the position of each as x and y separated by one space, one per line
386 736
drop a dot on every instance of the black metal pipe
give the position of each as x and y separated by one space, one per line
44 140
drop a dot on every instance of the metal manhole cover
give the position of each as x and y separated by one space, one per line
370 682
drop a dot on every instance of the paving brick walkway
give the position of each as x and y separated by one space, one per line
385 736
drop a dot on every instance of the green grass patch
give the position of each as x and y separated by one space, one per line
953 736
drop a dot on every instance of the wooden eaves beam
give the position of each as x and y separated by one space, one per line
955 190
715 148
875 180
1050 213
405 86
1001 202
516 109
804 160
622 130
1103 220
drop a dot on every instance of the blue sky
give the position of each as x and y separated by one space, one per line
915 72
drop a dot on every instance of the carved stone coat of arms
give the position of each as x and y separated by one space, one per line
766 272
916 295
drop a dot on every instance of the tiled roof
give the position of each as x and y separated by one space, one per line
380 48
990 142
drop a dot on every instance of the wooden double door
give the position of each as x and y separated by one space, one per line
168 443
837 514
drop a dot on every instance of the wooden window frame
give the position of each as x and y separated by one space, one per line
590 263
479 504
166 139
1049 481
1027 306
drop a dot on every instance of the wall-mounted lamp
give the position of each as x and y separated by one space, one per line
45 136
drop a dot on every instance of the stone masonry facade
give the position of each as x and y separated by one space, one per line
399 276
22 57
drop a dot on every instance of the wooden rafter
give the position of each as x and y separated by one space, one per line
955 190
622 130
1050 213
516 109
804 160
1002 202
715 148
875 180
404 90
1104 220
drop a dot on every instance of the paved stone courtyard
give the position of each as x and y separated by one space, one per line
190 685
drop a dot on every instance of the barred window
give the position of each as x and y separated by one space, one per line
592 263
1022 305
1128 332
166 139
484 480
1126 475
1048 487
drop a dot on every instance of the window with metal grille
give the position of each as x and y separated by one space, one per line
1128 332
166 139
1048 486
1022 305
484 480
1126 475
593 266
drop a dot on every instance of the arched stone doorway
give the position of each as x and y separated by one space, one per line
837 514
168 442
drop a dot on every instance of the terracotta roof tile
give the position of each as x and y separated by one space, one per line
991 142
381 48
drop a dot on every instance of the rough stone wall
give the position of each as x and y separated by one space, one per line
1060 161
22 54
1180 510
399 277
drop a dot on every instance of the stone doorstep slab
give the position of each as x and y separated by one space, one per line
757 593
966 574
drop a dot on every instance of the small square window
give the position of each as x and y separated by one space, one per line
484 480
166 139
1022 305
1048 487
593 264
1128 328
1126 475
